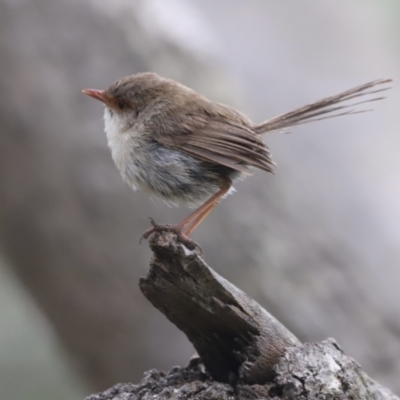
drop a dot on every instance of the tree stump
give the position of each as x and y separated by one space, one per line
243 351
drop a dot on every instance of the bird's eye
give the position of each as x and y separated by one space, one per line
121 105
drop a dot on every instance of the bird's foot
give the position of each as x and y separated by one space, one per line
177 229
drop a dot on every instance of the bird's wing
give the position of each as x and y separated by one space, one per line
218 140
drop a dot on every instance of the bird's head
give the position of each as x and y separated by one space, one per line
126 99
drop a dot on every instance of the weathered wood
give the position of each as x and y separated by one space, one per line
306 372
245 353
234 336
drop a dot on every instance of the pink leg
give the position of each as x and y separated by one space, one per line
192 221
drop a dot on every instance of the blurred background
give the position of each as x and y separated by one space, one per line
317 244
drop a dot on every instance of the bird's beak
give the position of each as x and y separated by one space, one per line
97 94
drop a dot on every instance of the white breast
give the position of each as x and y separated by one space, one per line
122 144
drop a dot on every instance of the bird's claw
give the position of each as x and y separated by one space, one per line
177 229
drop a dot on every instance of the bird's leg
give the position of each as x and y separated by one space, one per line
191 222
196 221
197 216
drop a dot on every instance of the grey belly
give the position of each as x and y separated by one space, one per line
175 177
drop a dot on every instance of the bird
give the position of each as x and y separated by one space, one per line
176 145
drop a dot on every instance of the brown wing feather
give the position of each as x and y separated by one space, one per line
215 139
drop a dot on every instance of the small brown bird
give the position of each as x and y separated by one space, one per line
176 145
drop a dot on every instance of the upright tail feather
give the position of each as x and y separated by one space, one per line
318 110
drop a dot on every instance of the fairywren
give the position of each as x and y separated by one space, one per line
176 145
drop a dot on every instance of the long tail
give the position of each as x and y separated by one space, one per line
317 111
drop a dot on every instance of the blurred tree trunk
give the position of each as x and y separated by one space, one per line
69 226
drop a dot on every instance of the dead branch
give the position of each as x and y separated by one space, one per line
244 352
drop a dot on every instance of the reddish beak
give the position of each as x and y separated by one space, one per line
96 94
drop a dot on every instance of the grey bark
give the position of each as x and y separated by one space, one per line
308 372
245 353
